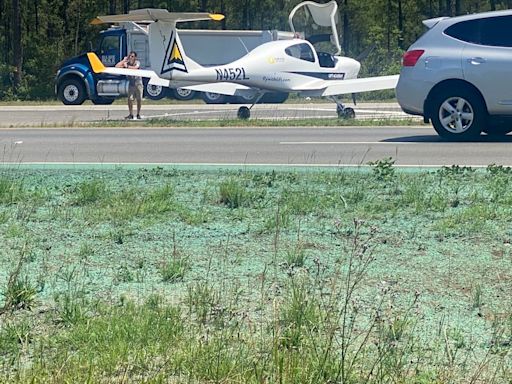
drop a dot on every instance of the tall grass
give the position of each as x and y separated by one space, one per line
367 276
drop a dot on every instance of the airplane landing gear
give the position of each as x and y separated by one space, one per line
342 111
346 113
244 113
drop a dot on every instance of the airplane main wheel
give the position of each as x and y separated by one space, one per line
244 113
346 113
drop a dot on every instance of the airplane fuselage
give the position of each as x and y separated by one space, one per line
287 66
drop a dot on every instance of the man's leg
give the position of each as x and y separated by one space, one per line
130 105
138 94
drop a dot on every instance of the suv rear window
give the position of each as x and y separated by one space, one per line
491 31
496 31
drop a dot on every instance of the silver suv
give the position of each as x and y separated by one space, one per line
459 75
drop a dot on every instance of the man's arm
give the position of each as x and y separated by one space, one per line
122 63
134 66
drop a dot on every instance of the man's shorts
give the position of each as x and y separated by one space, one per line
135 91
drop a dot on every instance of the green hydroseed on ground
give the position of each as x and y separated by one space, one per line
256 276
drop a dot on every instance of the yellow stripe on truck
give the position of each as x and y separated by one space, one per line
96 64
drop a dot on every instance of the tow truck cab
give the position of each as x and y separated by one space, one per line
76 82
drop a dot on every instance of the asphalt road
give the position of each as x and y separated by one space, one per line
409 146
41 115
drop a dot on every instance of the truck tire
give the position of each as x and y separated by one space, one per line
183 94
214 98
72 91
245 99
154 92
103 101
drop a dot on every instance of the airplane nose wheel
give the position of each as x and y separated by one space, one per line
244 113
345 113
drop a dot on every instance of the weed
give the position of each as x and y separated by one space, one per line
86 250
300 315
499 170
296 256
20 294
383 169
89 192
201 300
477 297
72 307
281 218
455 171
14 336
11 191
233 194
174 269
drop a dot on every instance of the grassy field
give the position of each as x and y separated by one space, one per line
169 275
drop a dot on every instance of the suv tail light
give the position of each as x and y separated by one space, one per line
410 58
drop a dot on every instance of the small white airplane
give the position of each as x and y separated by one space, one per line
283 65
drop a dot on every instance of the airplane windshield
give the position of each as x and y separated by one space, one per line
301 51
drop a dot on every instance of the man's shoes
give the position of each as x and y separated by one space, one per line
139 117
129 117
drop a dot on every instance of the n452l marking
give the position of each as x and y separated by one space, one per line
231 74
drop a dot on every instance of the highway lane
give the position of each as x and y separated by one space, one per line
409 146
41 115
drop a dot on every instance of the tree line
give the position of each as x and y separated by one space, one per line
36 36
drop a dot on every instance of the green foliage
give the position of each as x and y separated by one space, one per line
14 336
174 269
11 191
20 294
233 194
383 169
325 300
88 192
296 256
499 170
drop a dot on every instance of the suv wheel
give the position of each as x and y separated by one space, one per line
458 114
72 92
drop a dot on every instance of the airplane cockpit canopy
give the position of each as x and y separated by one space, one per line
316 17
301 51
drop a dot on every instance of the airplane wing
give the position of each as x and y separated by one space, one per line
98 67
341 87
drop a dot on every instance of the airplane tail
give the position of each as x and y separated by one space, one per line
168 57
166 51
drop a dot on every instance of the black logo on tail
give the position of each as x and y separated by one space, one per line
173 58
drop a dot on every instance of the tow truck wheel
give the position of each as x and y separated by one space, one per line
183 94
154 92
244 113
214 98
346 113
72 92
